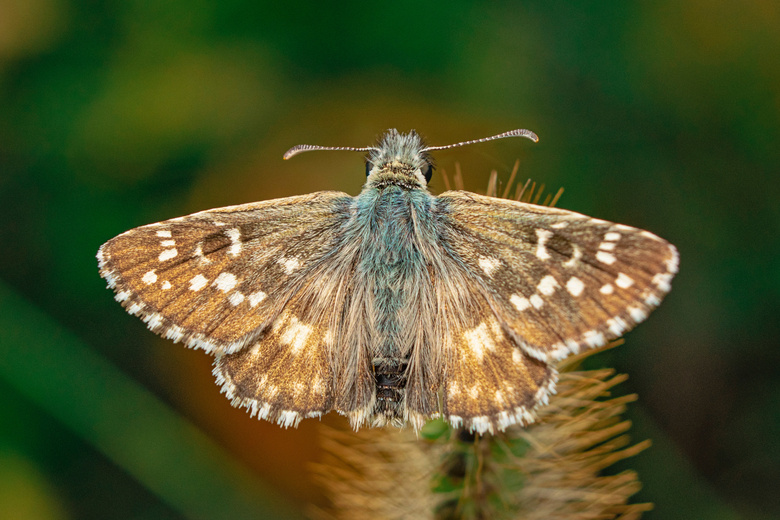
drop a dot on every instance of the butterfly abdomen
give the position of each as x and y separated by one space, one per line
390 381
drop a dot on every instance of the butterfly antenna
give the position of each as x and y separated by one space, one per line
512 133
295 150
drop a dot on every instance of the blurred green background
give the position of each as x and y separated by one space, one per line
663 115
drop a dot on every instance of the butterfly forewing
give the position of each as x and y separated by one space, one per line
557 280
217 279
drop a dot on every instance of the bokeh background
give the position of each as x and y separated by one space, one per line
663 115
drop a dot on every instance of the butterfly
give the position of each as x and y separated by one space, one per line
393 306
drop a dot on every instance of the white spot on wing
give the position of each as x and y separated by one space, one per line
295 335
289 264
663 281
256 298
617 326
607 289
612 236
547 285
560 225
225 282
236 298
605 258
575 286
541 250
479 339
575 257
166 285
149 278
168 243
199 253
519 302
624 281
235 238
488 264
536 301
637 314
594 338
198 283
164 234
167 255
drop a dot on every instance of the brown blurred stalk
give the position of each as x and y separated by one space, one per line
551 470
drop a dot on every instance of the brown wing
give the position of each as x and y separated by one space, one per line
489 383
557 281
217 279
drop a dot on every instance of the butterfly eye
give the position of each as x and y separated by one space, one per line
368 168
427 171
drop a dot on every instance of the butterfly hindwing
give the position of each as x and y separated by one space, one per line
316 355
558 281
260 377
489 382
217 279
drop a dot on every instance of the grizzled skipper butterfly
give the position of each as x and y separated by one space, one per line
392 306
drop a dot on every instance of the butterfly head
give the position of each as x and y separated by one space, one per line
399 155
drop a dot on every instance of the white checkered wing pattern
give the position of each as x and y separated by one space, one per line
557 281
218 279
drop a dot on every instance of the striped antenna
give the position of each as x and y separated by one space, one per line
295 150
512 133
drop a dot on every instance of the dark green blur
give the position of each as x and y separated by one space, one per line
660 115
